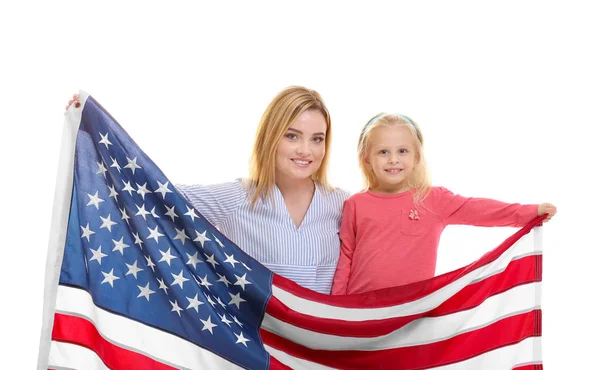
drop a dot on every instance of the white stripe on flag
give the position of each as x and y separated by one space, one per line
422 331
71 356
138 337
294 362
523 247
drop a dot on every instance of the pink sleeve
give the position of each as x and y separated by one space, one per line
348 243
458 210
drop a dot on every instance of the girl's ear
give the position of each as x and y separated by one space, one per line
367 162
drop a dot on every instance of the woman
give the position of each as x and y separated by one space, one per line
285 214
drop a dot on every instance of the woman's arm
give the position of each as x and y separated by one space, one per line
216 202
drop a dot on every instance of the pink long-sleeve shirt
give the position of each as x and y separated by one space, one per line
386 240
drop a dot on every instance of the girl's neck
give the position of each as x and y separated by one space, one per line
391 190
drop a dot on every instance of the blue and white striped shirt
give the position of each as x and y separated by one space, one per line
307 255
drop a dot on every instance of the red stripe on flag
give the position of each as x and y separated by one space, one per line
517 273
529 367
405 293
79 331
461 347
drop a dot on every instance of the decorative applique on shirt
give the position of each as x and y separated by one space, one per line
414 215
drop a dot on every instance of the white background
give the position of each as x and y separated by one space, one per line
507 96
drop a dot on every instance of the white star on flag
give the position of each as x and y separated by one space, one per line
149 263
119 245
145 292
142 211
176 307
193 259
95 200
132 164
101 169
127 187
97 255
115 164
109 277
211 259
225 320
163 189
208 325
241 339
133 269
179 279
154 234
166 256
107 223
181 236
171 213
113 192
201 237
241 281
105 140
231 260
86 232
142 190
236 300
194 303
191 212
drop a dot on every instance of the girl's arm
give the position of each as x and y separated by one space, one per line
458 210
348 244
216 202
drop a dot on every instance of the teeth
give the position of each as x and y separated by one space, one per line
300 162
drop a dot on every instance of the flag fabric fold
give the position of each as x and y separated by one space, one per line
136 278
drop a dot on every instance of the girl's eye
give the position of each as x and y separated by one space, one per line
291 136
383 151
318 139
403 151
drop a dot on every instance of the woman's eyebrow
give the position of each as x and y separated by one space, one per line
302 133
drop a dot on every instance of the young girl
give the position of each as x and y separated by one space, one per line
390 232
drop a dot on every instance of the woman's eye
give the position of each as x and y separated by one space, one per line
291 136
318 139
383 151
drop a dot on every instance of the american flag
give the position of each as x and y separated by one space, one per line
137 279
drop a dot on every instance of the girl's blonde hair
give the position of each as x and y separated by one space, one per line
281 113
420 179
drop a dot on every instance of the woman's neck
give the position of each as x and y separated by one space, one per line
292 187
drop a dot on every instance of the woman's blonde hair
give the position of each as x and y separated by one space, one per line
281 113
420 179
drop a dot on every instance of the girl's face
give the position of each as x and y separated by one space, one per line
302 147
391 157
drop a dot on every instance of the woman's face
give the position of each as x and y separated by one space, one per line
302 147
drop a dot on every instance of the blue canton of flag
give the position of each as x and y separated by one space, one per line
141 251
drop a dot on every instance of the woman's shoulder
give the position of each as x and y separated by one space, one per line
234 188
333 196
334 193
